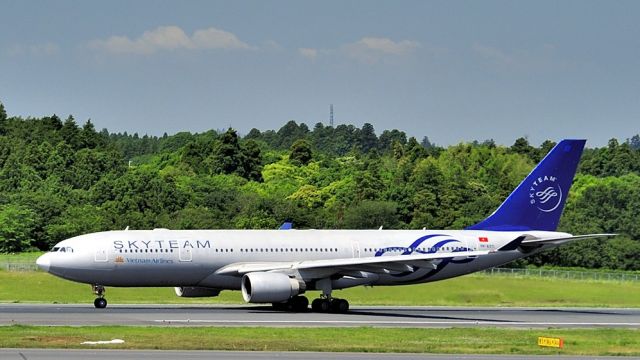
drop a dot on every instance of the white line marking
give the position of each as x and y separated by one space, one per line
357 322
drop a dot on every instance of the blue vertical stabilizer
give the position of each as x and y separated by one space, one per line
537 203
287 225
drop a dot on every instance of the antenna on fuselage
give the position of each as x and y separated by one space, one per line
127 228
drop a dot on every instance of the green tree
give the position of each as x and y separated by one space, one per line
193 154
389 138
368 138
71 133
427 144
371 215
16 224
226 155
251 161
301 153
77 220
521 146
634 142
3 113
3 119
290 133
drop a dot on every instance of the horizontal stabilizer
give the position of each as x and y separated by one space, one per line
565 239
525 241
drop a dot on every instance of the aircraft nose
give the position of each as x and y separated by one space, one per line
44 261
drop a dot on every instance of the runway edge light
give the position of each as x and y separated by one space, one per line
550 342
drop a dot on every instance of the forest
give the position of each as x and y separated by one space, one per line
60 178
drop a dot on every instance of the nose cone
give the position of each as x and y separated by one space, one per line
44 262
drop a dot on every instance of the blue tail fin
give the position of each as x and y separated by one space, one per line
537 203
287 225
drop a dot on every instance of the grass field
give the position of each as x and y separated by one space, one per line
475 290
459 341
21 257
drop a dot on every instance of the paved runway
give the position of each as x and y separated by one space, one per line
49 354
168 315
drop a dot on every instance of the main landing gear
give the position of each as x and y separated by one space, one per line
333 305
100 302
324 304
301 304
327 303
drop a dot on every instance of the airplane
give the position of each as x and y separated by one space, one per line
279 266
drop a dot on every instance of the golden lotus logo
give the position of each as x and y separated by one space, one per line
119 259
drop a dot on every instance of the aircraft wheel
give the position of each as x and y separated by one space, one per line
321 305
299 304
100 303
315 305
339 305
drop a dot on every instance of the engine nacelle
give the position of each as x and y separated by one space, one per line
189 291
260 287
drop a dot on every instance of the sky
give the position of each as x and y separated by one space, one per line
455 71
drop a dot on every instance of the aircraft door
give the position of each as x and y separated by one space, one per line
101 255
356 249
185 254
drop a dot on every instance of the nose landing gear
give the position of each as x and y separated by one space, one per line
100 302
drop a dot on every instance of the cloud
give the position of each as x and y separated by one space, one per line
45 49
167 38
386 46
372 49
493 54
367 49
308 53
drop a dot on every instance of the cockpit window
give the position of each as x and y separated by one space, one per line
62 249
55 248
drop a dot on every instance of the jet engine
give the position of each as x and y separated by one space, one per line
260 287
189 291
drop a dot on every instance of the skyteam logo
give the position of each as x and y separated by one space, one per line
545 193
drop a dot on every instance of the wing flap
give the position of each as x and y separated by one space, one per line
389 263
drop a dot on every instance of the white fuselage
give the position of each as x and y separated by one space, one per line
192 257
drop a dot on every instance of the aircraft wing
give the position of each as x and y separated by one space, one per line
525 241
377 264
